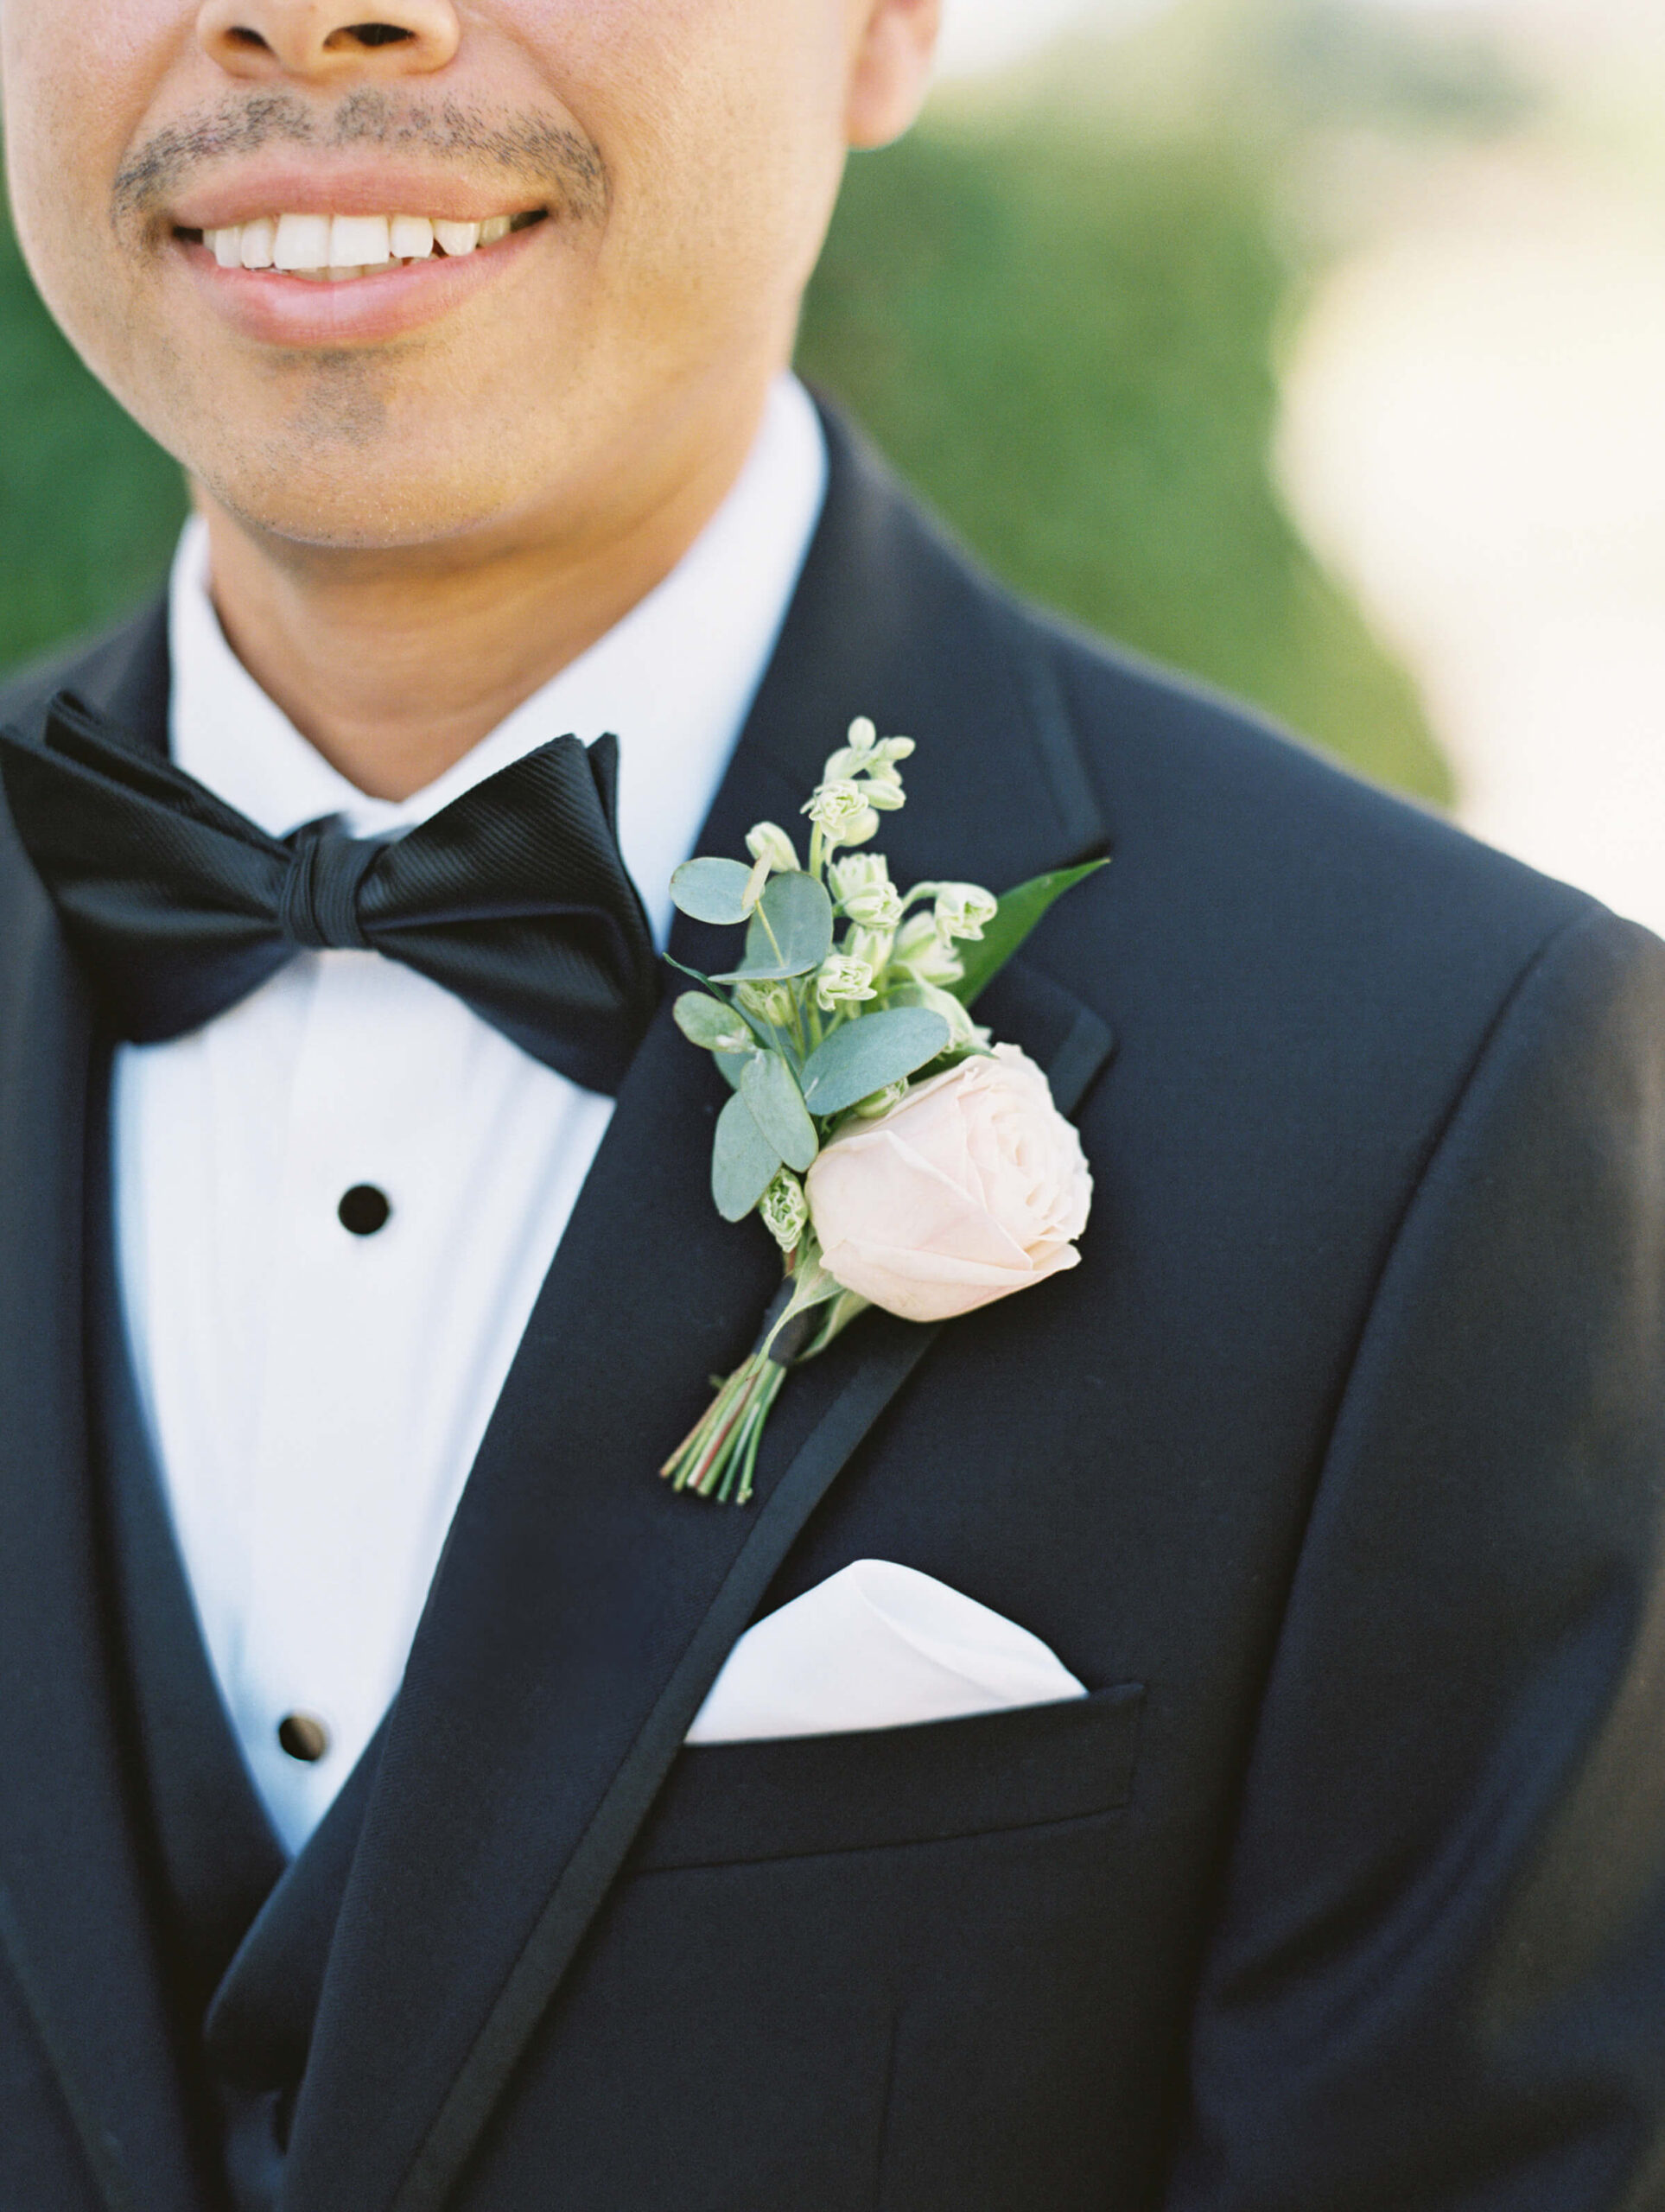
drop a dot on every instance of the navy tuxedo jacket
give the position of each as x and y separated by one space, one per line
1336 1473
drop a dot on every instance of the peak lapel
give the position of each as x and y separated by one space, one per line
582 1611
72 1920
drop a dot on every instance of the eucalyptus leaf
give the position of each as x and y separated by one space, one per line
743 1162
800 914
777 1107
732 1066
711 891
708 1022
1020 911
867 1053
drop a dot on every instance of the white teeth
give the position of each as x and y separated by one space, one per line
411 237
303 242
357 242
332 248
258 241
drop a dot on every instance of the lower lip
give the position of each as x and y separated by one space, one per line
278 309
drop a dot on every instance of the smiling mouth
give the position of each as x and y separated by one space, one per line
338 249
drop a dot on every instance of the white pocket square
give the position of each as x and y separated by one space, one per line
876 1646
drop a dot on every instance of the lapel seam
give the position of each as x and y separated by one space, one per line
1051 728
1083 1054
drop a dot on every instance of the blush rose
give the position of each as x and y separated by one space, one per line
972 1187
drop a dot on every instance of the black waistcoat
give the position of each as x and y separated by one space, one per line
245 1932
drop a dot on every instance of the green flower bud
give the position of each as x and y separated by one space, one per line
855 756
841 981
766 841
963 908
963 1031
862 887
868 754
870 947
841 812
861 872
869 1109
921 949
770 1002
785 1210
835 805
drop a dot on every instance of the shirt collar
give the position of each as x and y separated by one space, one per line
674 679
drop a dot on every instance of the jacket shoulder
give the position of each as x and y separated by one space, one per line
1214 807
124 669
1302 970
131 653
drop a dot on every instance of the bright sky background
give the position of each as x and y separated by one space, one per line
984 33
987 33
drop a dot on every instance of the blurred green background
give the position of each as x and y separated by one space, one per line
1057 307
1067 343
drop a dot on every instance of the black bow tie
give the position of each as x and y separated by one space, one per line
515 896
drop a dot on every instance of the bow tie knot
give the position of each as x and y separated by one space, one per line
515 897
318 908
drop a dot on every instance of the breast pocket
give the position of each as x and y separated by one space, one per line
792 1796
852 1971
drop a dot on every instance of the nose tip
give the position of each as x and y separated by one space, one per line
328 39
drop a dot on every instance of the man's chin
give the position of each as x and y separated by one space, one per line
376 510
351 477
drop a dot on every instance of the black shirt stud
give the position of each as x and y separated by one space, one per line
364 1210
303 1738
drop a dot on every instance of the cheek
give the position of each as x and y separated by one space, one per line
721 122
79 80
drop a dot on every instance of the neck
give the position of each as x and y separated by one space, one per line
394 663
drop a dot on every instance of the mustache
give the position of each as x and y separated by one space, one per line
556 163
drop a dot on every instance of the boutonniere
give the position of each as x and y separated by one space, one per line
896 1154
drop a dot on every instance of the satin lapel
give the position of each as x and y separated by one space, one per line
582 1611
72 1919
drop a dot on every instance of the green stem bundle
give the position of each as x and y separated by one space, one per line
718 1456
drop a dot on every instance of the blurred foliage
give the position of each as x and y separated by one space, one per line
1067 343
1322 63
1262 73
89 507
1056 309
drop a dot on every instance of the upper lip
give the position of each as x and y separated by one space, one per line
297 185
